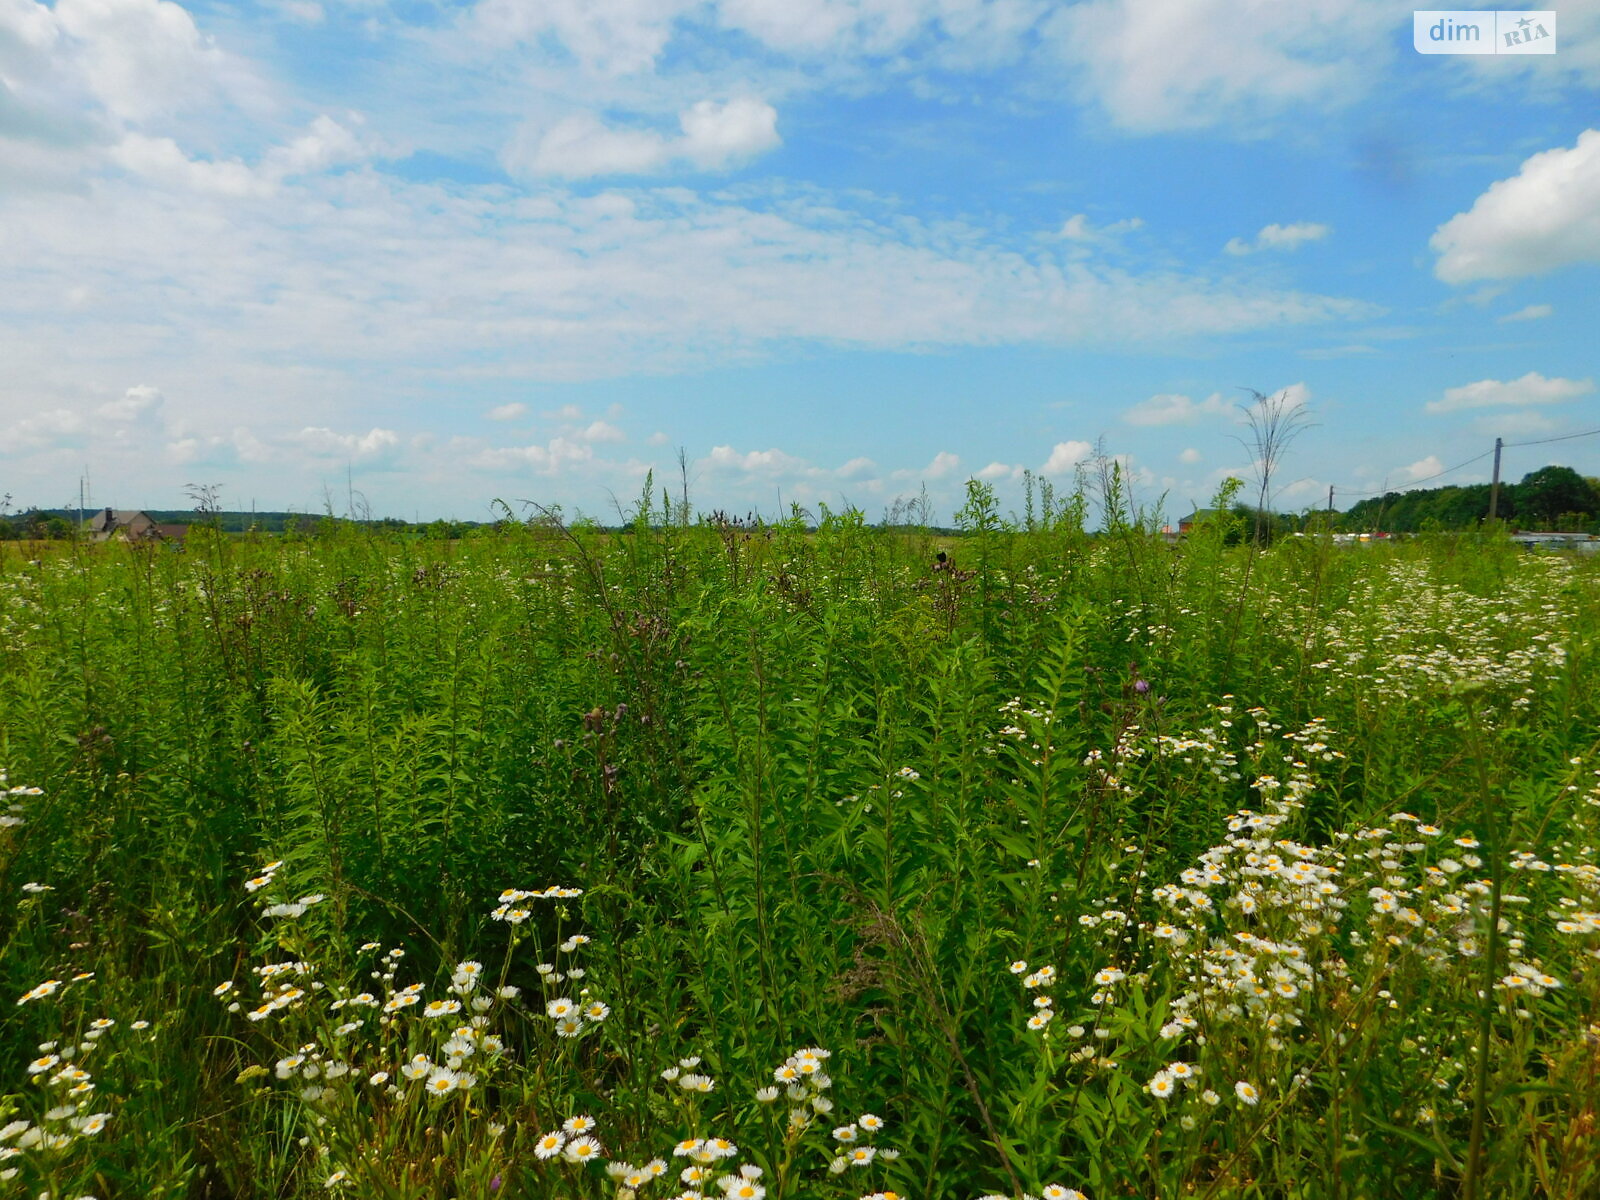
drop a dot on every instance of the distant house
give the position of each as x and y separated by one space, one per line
1199 515
132 525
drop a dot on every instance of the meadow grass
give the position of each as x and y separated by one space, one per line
739 860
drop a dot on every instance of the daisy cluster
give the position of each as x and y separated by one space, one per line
356 1039
1404 634
1263 928
857 1144
14 794
371 1050
801 1079
62 1091
707 1161
1025 729
710 1167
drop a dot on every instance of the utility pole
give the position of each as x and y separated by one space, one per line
1330 499
1494 488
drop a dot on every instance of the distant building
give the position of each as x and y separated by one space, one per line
1185 524
1583 543
132 525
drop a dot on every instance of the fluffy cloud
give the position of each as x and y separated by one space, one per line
1533 312
547 458
1064 456
1171 408
1279 237
602 431
1423 468
161 161
1182 64
1077 228
1532 389
135 404
714 136
507 412
146 58
325 443
43 430
860 467
1190 456
1545 217
766 462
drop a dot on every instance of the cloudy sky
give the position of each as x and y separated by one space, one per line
831 250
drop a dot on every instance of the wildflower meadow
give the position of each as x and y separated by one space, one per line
732 859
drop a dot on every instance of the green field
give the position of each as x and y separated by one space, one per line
747 861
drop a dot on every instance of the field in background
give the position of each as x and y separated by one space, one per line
744 861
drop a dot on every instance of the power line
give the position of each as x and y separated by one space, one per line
1410 483
1564 438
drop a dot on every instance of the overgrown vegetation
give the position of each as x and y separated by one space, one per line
740 859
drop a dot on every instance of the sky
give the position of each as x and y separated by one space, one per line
418 257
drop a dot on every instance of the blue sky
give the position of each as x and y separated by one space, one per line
833 250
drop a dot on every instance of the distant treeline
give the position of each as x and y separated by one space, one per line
59 523
1551 498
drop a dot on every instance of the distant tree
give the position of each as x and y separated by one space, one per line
1545 495
1551 497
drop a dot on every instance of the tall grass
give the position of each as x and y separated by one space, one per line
403 868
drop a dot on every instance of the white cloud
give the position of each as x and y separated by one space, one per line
714 136
602 431
766 462
1077 228
44 429
325 443
1545 217
1279 237
139 401
1515 423
1294 396
1348 350
1185 64
1533 312
1423 468
146 58
860 467
999 470
549 458
658 439
615 39
301 12
1065 456
607 37
507 412
365 274
1171 408
1190 455
1532 389
326 144
944 463
582 145
160 160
